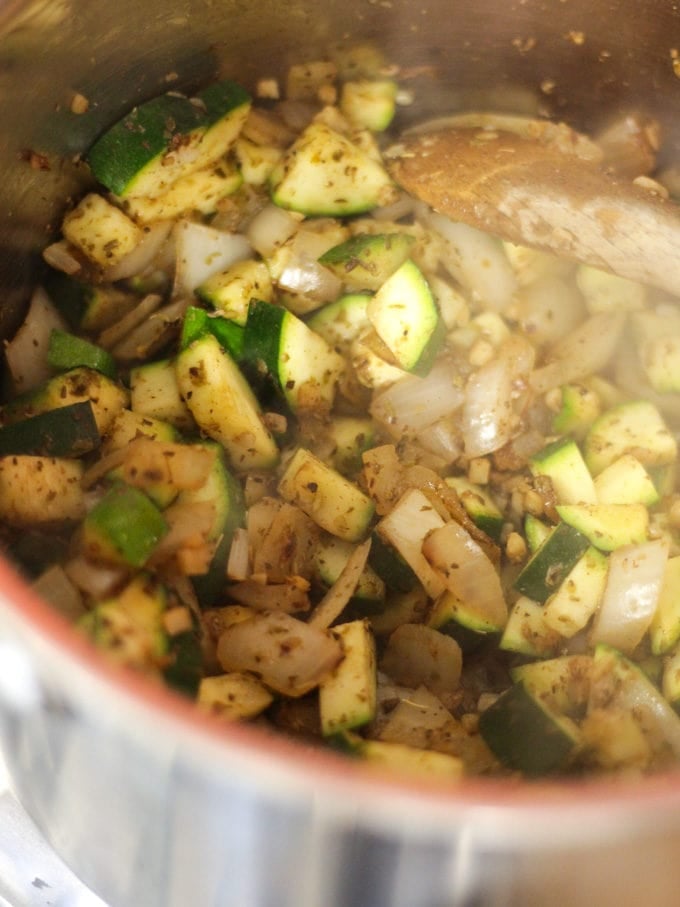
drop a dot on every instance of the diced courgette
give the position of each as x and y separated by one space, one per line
168 137
637 428
564 465
328 498
224 405
325 173
69 431
366 260
74 386
405 316
551 562
347 697
123 527
526 735
302 364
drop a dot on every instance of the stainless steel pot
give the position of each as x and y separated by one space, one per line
152 805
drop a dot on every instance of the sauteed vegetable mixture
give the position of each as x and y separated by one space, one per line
280 436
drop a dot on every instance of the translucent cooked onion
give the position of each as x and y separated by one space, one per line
416 654
467 571
203 251
117 332
413 403
286 654
60 256
303 274
26 353
549 308
238 562
152 333
97 581
60 591
634 582
477 260
584 352
270 229
289 596
143 255
334 601
489 420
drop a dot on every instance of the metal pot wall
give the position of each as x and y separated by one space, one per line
150 804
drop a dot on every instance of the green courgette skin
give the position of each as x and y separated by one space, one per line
148 131
153 129
67 351
230 513
523 735
551 562
198 322
69 431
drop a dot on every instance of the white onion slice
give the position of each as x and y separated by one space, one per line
270 229
416 654
287 654
631 594
467 572
142 255
583 352
26 353
413 403
334 601
406 527
203 251
477 260
489 420
303 274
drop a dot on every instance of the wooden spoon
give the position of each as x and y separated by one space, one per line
542 185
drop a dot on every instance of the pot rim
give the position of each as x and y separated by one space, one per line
339 786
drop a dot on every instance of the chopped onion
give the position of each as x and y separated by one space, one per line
618 683
238 563
402 207
139 315
287 654
489 420
270 229
549 308
26 353
406 527
203 251
413 403
631 594
477 260
304 275
60 591
189 524
151 334
417 655
467 572
584 352
143 255
149 461
629 145
334 601
443 439
97 581
289 596
61 256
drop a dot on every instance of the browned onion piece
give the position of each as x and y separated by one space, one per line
288 655
467 571
416 654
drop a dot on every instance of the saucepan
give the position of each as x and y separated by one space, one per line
151 804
